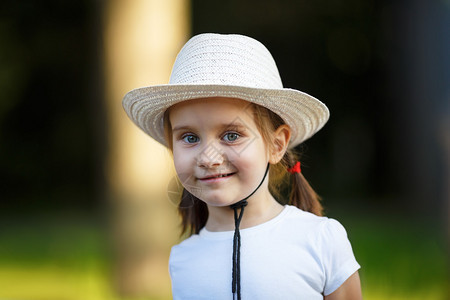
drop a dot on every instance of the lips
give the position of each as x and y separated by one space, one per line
216 176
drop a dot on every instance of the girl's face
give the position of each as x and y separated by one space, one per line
219 154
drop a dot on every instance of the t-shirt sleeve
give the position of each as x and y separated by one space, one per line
339 262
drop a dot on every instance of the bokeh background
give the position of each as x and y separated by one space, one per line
84 209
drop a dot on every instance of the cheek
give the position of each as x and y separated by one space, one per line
179 166
178 159
251 158
255 151
184 165
182 172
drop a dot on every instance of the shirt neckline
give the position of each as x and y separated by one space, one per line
218 235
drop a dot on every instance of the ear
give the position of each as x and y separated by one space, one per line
281 138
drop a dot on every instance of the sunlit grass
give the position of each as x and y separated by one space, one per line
58 259
51 282
381 294
69 260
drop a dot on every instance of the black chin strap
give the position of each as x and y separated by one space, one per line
236 276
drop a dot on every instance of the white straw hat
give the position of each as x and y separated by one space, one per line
234 66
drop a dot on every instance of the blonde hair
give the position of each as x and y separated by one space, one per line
194 212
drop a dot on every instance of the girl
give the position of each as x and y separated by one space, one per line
231 127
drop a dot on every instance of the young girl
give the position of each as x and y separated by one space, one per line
231 127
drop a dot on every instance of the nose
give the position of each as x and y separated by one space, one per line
210 156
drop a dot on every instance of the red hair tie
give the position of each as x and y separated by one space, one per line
295 169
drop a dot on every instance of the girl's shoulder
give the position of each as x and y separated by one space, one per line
320 226
295 214
191 240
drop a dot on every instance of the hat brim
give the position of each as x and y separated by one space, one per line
304 114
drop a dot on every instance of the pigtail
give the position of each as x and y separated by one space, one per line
302 194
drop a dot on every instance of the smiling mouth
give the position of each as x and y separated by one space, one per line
212 177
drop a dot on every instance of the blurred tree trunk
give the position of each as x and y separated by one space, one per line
142 38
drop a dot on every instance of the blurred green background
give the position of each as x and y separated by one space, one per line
381 164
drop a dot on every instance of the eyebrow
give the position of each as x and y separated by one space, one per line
235 126
183 128
227 126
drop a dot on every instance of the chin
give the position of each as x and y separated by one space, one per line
215 200
218 203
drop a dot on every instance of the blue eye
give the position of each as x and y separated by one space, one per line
231 136
190 139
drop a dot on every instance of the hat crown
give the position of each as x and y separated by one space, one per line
217 59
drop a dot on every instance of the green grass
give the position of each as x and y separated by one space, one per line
49 259
400 258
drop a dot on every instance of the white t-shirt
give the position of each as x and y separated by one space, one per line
296 255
